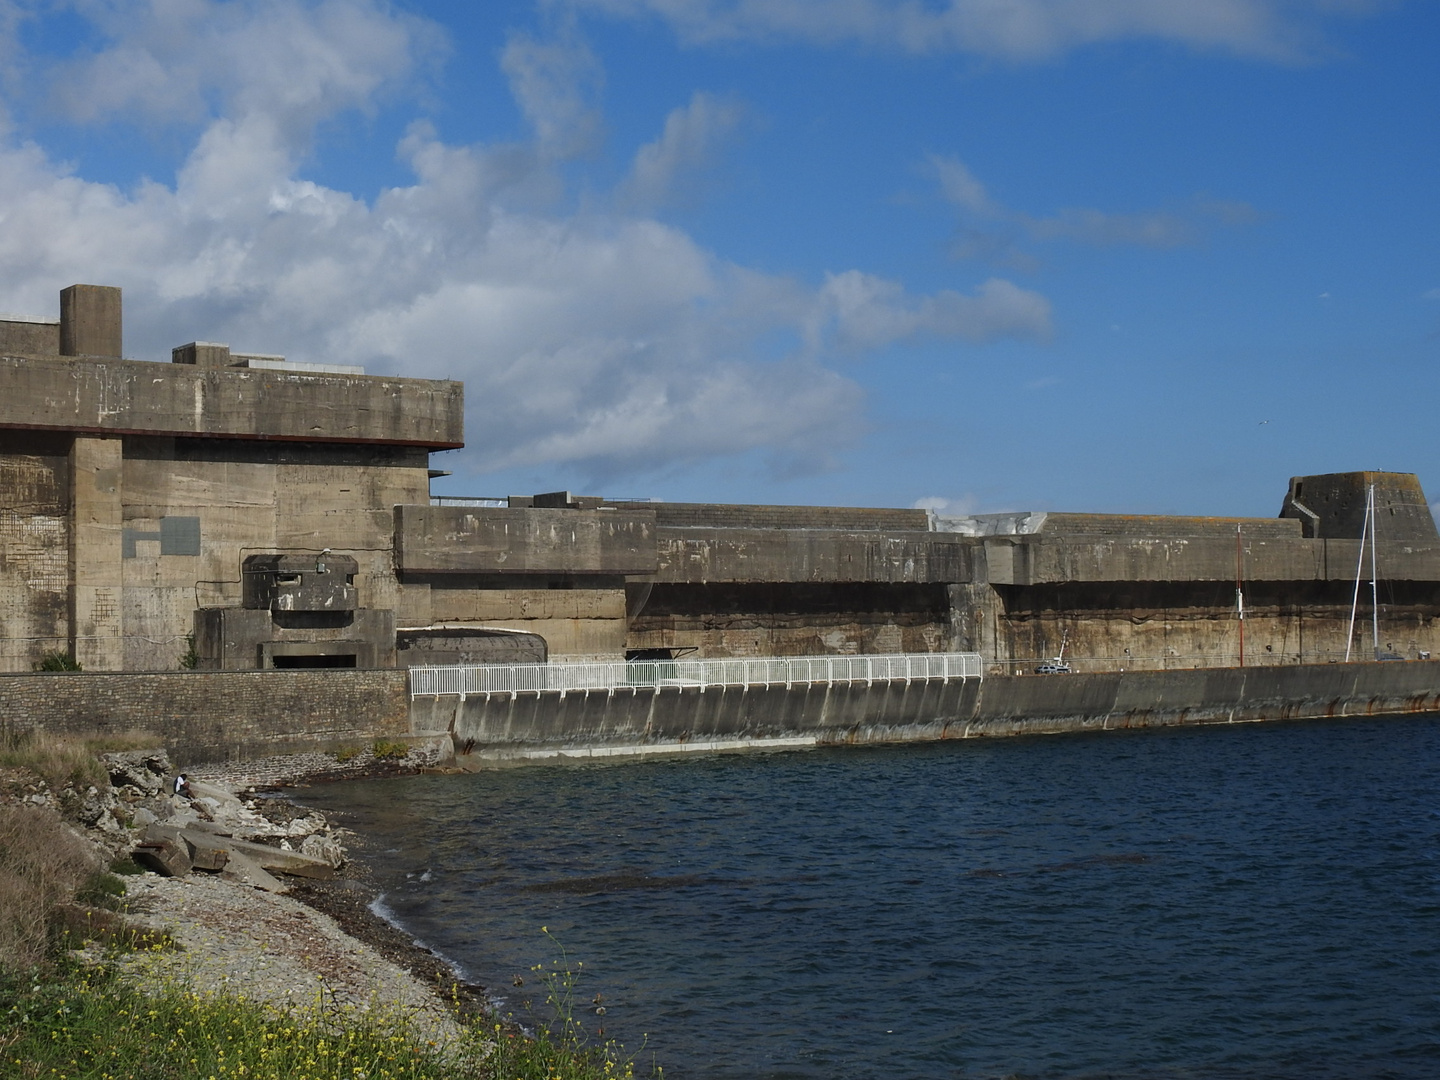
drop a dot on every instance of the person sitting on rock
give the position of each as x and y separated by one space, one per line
182 786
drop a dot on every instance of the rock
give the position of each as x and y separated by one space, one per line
142 816
248 872
305 826
219 801
206 856
168 857
286 862
325 848
91 809
143 770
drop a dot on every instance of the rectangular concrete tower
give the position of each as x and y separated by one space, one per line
90 321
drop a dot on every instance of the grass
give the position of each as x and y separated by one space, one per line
62 760
71 1022
61 1019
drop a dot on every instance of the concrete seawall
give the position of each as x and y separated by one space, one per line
673 719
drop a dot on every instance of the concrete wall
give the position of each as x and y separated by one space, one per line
244 499
638 720
134 397
792 619
579 616
499 540
810 555
34 547
29 337
723 516
213 716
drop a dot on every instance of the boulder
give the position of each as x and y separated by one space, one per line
247 871
170 857
143 770
325 848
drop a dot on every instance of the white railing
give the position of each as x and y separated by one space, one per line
773 671
470 500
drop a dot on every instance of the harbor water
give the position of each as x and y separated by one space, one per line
1258 900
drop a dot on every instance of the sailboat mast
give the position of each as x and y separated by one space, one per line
1374 594
1240 592
1359 567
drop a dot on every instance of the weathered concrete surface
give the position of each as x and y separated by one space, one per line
578 616
698 556
791 618
209 716
834 518
96 625
1333 504
29 337
512 727
91 321
500 540
34 547
139 398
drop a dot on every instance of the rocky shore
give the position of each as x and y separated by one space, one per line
253 894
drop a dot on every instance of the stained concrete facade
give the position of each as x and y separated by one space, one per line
136 494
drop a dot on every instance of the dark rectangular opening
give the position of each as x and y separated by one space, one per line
341 660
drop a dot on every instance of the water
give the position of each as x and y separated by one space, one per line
1248 901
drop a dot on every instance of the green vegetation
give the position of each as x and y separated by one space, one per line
62 760
67 1012
73 1021
189 659
58 660
392 750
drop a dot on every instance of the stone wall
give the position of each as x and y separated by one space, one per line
215 715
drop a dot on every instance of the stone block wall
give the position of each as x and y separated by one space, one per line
215 715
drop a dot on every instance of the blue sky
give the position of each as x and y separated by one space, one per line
980 255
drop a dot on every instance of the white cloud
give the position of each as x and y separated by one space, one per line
599 341
691 138
1018 30
992 231
1433 294
556 83
861 311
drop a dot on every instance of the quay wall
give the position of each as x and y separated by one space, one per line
641 720
210 716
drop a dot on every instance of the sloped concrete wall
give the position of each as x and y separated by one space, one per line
640 720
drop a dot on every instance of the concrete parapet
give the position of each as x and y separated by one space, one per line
1038 560
694 555
202 354
1158 526
722 516
138 398
20 336
499 540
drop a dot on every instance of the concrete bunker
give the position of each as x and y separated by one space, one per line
298 611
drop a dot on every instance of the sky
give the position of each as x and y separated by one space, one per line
1131 256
